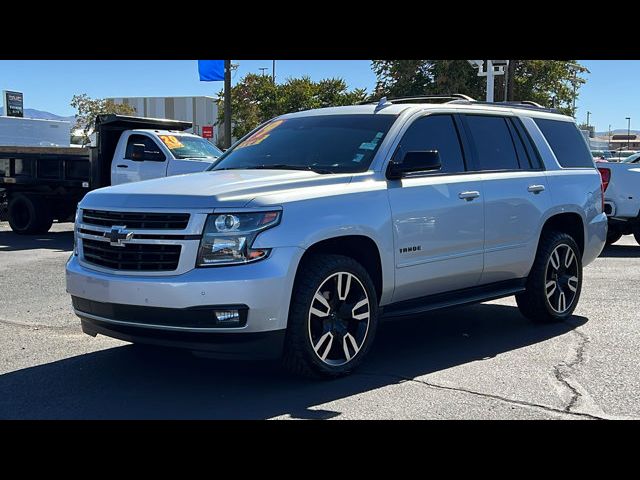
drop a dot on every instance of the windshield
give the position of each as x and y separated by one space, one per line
183 146
321 143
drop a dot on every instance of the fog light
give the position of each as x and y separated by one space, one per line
227 317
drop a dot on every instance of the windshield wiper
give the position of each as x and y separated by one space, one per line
282 166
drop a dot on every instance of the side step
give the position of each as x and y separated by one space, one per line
456 298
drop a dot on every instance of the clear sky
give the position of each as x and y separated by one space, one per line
610 93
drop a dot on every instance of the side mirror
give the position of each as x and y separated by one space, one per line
416 161
137 152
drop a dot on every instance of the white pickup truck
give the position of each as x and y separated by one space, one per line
621 183
46 183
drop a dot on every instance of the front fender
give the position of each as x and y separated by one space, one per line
307 222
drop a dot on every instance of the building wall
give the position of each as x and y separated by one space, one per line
200 111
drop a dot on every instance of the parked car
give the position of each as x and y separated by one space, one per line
635 158
620 156
601 154
621 183
45 183
319 224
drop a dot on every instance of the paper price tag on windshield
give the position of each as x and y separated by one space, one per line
368 146
171 142
260 135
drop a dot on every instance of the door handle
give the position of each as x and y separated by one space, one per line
536 188
122 166
468 196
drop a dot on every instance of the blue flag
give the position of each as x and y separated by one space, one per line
211 70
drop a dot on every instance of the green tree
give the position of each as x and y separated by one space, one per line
88 108
548 82
256 99
402 78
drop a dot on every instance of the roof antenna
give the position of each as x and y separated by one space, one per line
381 104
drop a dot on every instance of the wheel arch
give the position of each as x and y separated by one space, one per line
570 222
361 248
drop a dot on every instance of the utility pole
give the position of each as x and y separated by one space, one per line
227 104
575 84
273 72
506 82
628 119
511 76
588 115
262 70
609 146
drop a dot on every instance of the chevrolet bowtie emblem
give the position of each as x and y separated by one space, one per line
118 235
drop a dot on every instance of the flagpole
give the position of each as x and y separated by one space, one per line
227 104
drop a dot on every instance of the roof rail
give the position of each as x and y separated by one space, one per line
529 102
525 104
453 96
458 98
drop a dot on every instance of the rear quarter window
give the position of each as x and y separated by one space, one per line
567 143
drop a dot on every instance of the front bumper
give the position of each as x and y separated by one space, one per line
256 345
264 288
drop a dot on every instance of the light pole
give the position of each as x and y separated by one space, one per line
575 82
227 103
262 70
609 146
628 119
273 72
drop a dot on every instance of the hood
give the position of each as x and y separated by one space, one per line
224 188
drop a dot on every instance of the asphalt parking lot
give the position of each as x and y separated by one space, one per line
479 362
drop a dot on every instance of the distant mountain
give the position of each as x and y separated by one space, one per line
618 131
41 114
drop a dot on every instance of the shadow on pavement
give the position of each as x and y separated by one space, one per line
129 382
60 241
621 251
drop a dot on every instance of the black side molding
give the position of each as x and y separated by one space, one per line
455 298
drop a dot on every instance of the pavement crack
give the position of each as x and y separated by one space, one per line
492 396
563 371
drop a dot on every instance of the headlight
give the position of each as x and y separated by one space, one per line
228 237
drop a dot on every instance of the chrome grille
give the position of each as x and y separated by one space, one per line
136 220
132 256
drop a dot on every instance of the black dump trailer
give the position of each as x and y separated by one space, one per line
43 184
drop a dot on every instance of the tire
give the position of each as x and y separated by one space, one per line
542 301
613 237
29 215
324 338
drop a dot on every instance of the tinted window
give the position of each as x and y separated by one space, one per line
567 142
533 156
151 149
326 143
435 132
493 142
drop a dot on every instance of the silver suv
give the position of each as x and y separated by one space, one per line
318 225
